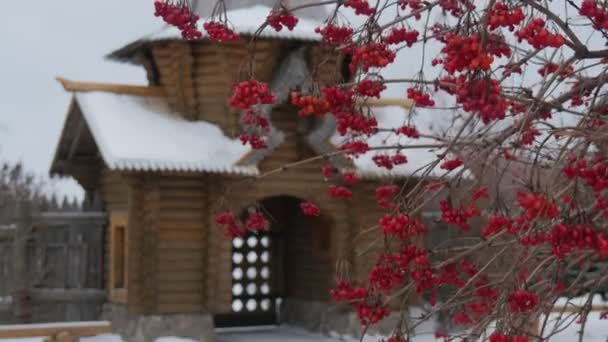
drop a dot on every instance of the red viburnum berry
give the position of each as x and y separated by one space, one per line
279 19
255 140
596 13
535 206
361 7
355 122
369 88
310 209
522 301
350 178
355 147
420 98
257 222
501 16
336 35
256 120
414 5
452 164
310 105
400 35
339 192
233 227
371 55
537 36
180 16
219 32
345 292
327 171
385 195
247 94
482 97
408 131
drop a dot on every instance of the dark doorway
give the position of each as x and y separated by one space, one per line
269 266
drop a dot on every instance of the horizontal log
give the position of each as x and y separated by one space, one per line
111 88
69 295
180 308
50 329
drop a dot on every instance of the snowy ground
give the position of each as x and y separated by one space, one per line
596 331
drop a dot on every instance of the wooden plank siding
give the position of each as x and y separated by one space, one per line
182 237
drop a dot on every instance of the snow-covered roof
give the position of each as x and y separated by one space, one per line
141 133
419 159
247 21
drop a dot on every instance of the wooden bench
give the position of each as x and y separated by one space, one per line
56 332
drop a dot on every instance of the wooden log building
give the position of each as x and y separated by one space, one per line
166 157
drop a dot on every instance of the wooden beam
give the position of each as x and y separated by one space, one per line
403 103
50 329
111 88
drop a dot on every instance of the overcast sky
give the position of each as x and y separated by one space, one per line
58 38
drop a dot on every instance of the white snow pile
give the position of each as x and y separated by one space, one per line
140 133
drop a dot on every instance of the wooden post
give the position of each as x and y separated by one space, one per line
21 283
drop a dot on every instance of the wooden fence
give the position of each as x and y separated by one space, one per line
51 266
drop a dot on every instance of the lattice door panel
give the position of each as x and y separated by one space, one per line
253 295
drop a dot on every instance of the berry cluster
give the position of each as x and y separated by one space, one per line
537 36
482 97
459 217
279 19
336 35
567 238
340 192
389 162
310 105
528 135
408 131
522 301
593 173
256 141
597 14
401 226
179 16
219 32
350 178
414 5
355 147
419 97
327 171
400 35
465 53
371 55
535 206
451 164
369 88
385 194
250 93
361 7
500 16
229 221
257 222
310 209
496 223
550 68
355 122
253 119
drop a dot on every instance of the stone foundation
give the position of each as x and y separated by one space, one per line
138 328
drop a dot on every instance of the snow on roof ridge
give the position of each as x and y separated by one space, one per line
140 133
247 21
